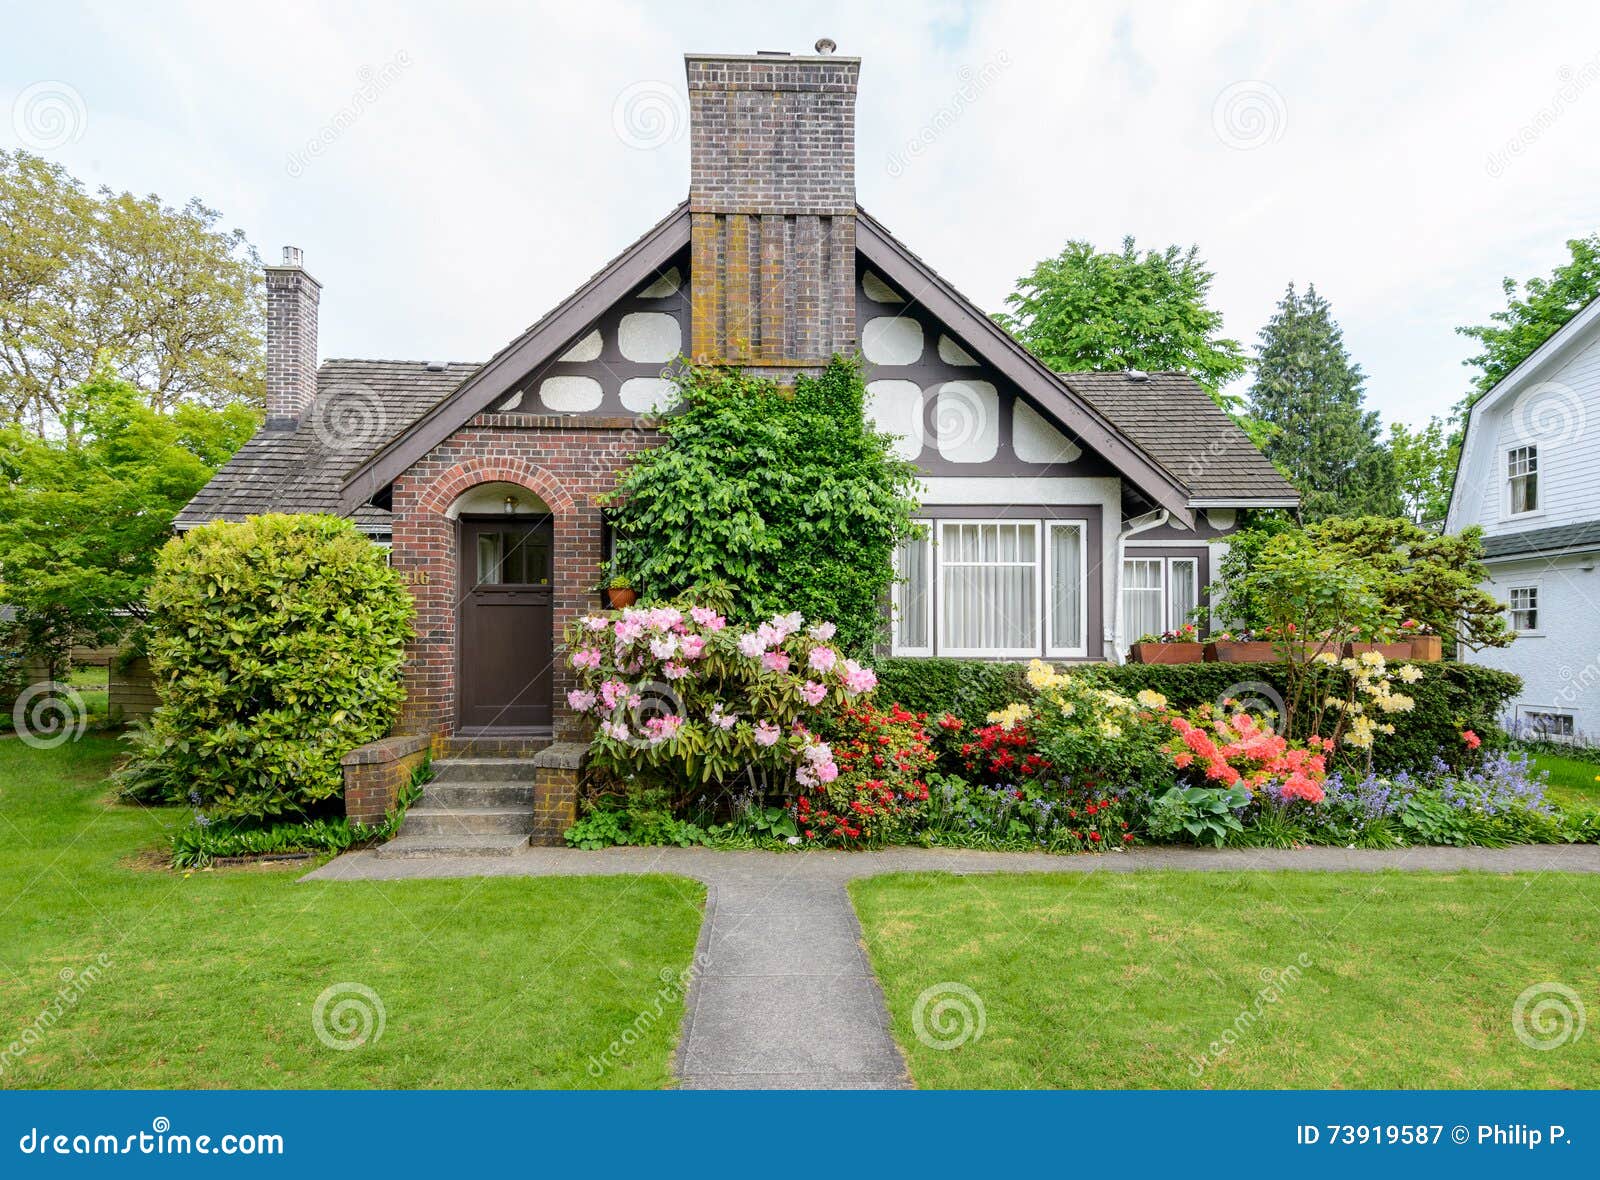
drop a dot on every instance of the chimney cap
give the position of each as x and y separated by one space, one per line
293 257
825 46
1138 376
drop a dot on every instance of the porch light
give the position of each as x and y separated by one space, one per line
511 505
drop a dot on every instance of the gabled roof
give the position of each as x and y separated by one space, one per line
360 406
1572 336
549 337
1177 453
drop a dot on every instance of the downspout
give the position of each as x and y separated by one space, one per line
1139 524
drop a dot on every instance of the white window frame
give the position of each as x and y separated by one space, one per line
896 645
940 566
1043 575
1170 622
1507 512
1538 608
1551 711
1052 649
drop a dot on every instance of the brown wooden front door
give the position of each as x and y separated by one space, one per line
505 624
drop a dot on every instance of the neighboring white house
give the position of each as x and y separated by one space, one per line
1530 476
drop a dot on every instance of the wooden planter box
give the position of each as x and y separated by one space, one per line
1427 649
1228 651
1389 651
1166 653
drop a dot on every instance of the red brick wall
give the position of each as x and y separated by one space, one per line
566 462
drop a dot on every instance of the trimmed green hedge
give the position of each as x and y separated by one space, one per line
1450 697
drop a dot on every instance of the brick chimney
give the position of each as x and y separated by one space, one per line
772 193
292 297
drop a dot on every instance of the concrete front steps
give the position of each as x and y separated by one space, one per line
474 806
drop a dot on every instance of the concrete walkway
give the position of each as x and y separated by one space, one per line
782 995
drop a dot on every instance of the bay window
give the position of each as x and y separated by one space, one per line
993 587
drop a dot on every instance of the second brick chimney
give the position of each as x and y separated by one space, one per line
772 194
292 297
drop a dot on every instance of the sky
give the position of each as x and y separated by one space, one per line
452 171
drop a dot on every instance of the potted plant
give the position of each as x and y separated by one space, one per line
1427 647
1181 646
620 592
1381 641
1241 647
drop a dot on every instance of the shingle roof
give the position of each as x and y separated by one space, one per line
360 406
1565 538
1174 421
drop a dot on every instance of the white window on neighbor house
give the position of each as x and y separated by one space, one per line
1550 724
1522 480
1522 605
997 588
1158 594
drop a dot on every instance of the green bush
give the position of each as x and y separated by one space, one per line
1449 697
970 689
276 647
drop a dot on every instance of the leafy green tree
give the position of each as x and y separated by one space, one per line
81 519
1308 400
770 499
1086 310
1425 468
1531 318
175 302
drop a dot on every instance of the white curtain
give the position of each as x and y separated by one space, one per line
1066 586
1183 593
913 596
1141 598
990 576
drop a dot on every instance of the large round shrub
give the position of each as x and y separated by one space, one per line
276 646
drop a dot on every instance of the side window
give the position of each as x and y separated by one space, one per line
1522 479
1523 607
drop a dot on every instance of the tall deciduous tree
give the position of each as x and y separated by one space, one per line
1425 468
81 521
173 301
1308 399
1086 310
1534 316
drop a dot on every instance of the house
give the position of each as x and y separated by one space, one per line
1529 476
1068 514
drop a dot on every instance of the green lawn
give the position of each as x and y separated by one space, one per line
1123 980
1572 780
210 980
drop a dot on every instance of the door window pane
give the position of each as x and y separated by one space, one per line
513 557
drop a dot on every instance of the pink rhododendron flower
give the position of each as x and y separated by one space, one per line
662 729
616 731
822 632
595 622
827 772
770 634
822 659
628 628
707 618
751 645
588 657
767 734
665 647
674 671
692 647
857 679
789 623
812 693
581 700
721 719
775 661
613 693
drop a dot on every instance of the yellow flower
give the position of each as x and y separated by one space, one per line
1110 730
1410 673
1325 657
1151 699
1008 717
1372 659
1041 675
